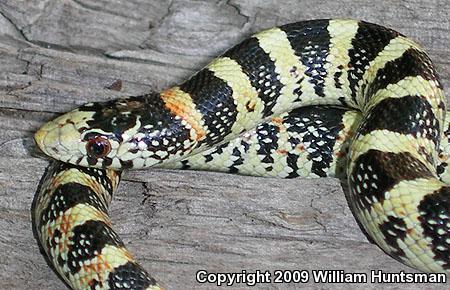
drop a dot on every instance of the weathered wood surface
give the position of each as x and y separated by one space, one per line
55 55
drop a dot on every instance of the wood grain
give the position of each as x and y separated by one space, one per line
55 55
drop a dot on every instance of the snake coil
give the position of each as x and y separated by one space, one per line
317 98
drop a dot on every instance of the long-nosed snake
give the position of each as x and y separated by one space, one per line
312 99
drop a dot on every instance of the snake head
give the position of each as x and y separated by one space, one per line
134 132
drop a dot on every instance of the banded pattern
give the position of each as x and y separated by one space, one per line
247 112
72 223
319 138
306 142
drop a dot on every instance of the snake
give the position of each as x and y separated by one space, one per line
318 98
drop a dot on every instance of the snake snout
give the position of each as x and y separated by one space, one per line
47 139
42 138
39 137
60 138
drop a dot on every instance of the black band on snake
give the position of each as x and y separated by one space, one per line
317 98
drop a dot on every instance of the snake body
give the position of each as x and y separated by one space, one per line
317 98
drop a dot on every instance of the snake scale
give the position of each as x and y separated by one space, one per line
316 98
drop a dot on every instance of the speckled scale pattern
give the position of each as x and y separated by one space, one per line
322 133
411 63
310 41
376 172
218 110
311 140
267 144
267 107
260 70
385 116
436 222
331 127
368 42
73 226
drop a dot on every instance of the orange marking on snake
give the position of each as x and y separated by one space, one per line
277 120
279 123
98 267
300 147
65 223
49 231
181 104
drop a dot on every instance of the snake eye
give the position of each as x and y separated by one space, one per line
98 147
